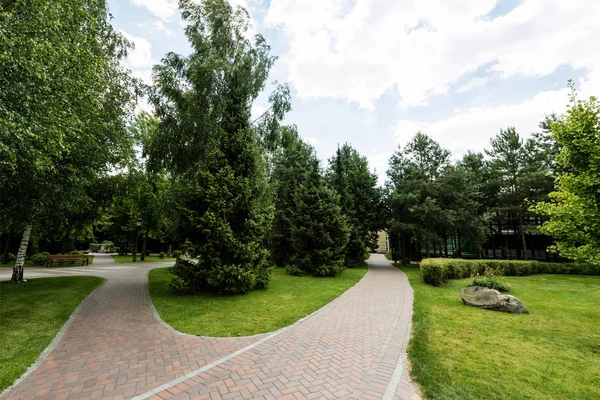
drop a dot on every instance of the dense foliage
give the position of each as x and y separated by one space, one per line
435 206
62 113
360 199
205 141
574 207
310 231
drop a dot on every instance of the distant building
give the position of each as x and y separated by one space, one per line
383 242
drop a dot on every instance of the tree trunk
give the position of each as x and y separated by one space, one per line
145 241
525 255
6 249
63 245
17 275
459 246
169 250
446 245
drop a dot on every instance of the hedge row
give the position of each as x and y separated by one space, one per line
436 271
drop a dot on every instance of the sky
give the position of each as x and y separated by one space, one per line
374 72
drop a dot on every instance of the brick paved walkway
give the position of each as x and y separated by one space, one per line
115 348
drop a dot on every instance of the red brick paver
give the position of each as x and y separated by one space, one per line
115 348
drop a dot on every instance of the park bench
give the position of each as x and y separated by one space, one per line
61 258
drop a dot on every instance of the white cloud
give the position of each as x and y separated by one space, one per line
379 163
312 140
472 84
163 9
145 75
357 50
472 129
257 110
143 105
141 56
161 27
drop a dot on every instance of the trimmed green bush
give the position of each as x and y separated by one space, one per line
194 277
40 258
436 271
75 252
491 283
176 253
161 255
11 257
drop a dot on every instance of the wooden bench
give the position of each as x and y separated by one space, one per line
61 258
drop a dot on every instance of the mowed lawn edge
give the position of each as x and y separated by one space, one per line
462 352
287 299
31 314
148 259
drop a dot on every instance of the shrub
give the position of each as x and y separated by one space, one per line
489 278
147 252
176 253
263 275
40 258
196 277
293 270
75 252
161 255
491 283
95 247
11 257
436 271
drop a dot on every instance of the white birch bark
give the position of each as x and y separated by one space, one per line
17 275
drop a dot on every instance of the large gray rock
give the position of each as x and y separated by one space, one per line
491 299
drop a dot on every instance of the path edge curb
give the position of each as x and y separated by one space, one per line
402 364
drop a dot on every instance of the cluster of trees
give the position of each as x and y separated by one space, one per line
63 105
242 195
547 184
442 206
247 195
324 220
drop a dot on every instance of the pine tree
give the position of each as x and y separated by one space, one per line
319 232
291 167
360 199
206 141
508 160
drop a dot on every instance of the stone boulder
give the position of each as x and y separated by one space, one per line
491 299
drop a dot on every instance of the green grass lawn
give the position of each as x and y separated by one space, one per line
462 352
29 264
151 258
31 314
287 299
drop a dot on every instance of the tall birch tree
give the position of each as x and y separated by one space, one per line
64 99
